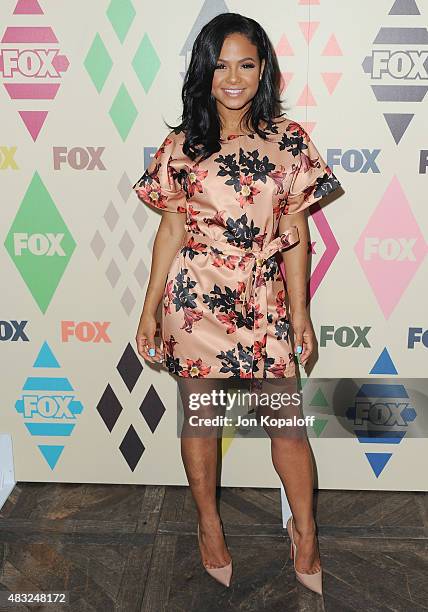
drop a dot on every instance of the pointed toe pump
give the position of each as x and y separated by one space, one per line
221 574
310 581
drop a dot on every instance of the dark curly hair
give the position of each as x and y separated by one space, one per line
200 120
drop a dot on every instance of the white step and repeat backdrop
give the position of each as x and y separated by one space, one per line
85 87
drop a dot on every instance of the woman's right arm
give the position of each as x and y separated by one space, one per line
168 240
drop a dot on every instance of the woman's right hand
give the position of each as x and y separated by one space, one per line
145 338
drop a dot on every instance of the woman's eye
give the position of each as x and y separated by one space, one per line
243 65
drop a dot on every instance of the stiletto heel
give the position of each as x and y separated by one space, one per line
311 581
221 574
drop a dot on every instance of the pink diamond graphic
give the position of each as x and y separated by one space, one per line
391 248
330 251
31 64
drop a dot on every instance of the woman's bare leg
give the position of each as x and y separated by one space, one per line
199 454
292 460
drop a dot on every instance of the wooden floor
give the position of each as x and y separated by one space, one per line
133 548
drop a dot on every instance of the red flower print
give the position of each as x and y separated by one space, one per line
296 127
279 207
281 368
278 177
191 316
199 247
195 369
280 303
257 314
161 149
243 261
151 194
247 191
169 345
194 178
260 348
308 163
168 297
192 222
216 220
228 319
219 260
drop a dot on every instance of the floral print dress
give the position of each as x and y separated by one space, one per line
224 311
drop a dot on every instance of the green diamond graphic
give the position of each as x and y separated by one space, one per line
123 112
98 63
319 425
319 400
39 243
146 63
121 14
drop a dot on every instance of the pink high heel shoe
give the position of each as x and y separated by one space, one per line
221 574
311 581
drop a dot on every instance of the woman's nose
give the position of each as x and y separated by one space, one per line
232 76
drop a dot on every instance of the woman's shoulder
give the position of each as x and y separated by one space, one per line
273 129
280 125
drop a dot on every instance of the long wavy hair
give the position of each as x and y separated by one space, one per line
200 120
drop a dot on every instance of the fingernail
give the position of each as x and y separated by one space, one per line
299 349
152 352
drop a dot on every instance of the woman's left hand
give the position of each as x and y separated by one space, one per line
303 335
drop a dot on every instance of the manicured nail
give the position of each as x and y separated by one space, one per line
299 349
152 352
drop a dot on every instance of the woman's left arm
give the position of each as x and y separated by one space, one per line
296 262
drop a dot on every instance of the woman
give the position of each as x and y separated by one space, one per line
237 176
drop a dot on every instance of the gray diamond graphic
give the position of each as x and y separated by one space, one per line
113 273
126 245
124 187
140 217
111 216
128 301
97 245
141 273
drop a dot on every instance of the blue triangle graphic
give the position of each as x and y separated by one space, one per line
384 364
45 358
51 453
378 461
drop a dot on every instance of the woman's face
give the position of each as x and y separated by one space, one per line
237 73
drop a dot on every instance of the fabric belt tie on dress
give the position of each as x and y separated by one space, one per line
253 269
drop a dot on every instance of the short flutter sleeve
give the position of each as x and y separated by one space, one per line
159 185
313 178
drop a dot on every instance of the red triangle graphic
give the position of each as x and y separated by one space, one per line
34 121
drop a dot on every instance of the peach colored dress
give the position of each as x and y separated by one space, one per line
224 312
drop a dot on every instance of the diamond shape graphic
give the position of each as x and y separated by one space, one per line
146 63
121 14
392 65
391 248
132 448
129 367
98 63
375 407
48 406
39 243
115 249
123 112
330 251
152 408
26 43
